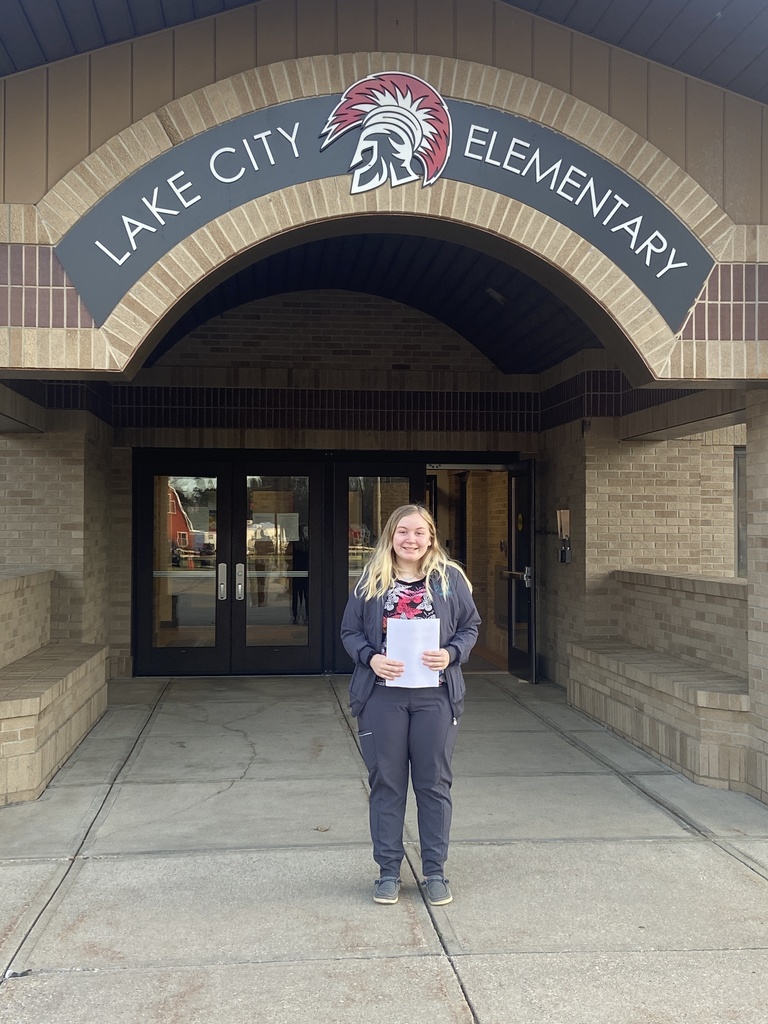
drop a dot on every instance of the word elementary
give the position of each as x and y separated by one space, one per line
574 185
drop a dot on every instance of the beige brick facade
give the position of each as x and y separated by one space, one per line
647 476
49 700
55 517
25 602
696 618
44 325
757 435
650 505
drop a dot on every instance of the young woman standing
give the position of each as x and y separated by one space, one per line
407 728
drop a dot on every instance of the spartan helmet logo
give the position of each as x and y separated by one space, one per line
405 130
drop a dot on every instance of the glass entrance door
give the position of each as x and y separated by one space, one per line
276 573
229 566
244 563
365 496
185 573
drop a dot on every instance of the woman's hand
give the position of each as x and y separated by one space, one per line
386 668
436 660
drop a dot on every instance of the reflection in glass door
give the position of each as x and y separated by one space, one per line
371 500
277 562
244 564
184 562
368 500
228 569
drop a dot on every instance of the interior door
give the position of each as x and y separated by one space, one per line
521 571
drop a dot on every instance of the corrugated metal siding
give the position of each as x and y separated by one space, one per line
722 43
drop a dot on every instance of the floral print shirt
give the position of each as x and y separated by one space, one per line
406 601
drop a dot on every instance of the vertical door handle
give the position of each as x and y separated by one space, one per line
222 581
240 581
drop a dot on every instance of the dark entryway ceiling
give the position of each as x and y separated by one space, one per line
720 41
519 324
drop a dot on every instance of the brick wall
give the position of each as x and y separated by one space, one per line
657 505
49 477
119 570
43 514
718 555
757 568
97 554
698 620
666 504
327 369
25 605
333 331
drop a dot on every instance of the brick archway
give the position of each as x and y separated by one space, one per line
122 342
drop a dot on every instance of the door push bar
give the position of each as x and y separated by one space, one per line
526 576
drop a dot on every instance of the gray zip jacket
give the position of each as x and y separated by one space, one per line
362 634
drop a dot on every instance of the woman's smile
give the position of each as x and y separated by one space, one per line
411 541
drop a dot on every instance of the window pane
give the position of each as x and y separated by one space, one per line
277 546
184 562
372 499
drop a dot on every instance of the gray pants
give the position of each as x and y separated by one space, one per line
401 728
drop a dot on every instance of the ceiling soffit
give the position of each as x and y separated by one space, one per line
724 43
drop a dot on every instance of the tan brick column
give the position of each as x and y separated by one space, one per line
55 516
757 571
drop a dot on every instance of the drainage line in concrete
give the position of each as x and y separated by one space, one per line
7 972
631 781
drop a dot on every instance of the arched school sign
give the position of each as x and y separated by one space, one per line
388 130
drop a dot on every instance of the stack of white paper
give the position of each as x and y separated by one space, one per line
407 639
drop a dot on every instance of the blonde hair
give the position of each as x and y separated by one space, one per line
381 572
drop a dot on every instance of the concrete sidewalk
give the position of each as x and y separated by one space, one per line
204 857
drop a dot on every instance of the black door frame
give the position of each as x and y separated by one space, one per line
229 655
521 569
330 470
167 661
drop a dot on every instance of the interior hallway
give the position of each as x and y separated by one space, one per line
204 856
